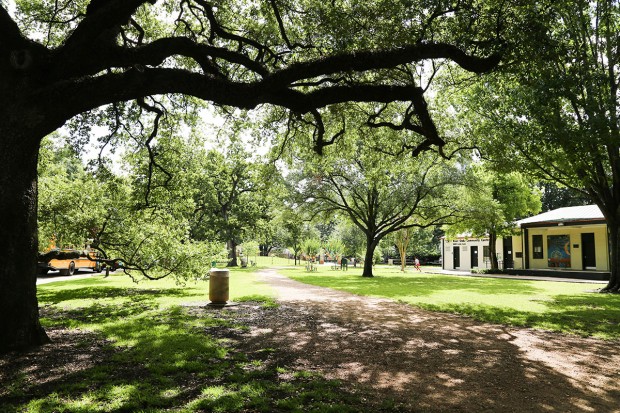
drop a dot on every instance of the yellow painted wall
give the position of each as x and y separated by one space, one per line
517 246
574 232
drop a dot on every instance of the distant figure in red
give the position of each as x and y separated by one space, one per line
416 264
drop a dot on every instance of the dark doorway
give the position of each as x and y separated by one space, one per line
456 257
508 262
588 252
474 256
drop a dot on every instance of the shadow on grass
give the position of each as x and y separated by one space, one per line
584 314
573 315
440 363
99 293
140 358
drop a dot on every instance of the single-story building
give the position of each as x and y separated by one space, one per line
465 252
569 241
571 238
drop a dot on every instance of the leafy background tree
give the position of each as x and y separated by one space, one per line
553 111
353 239
491 202
70 198
148 234
295 228
354 181
231 200
556 196
401 239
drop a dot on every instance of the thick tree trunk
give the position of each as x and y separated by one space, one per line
371 244
19 311
613 228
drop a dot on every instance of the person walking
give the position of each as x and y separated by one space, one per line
416 264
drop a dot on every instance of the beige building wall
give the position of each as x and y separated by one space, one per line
517 252
574 234
464 246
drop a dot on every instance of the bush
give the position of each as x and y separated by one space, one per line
490 271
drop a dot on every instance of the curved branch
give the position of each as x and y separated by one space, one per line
101 15
278 16
218 29
154 54
152 161
90 93
383 59
11 37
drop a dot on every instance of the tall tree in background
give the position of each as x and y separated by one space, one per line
59 61
70 207
490 203
554 112
375 194
554 197
353 238
148 234
231 197
402 238
295 229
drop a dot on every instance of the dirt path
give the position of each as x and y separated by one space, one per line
435 362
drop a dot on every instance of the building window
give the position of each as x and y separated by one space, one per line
537 244
485 251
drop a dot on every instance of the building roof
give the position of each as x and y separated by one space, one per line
585 213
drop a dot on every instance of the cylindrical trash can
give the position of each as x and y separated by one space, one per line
390 261
218 286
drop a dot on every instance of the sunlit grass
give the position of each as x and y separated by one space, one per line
157 353
559 306
119 289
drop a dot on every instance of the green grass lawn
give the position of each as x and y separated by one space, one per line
559 306
157 351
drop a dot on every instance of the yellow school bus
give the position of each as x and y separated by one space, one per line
67 261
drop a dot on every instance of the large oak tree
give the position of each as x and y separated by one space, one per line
556 113
62 59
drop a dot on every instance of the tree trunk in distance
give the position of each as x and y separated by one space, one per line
493 250
613 228
232 253
19 308
370 251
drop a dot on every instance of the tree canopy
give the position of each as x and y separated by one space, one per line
354 182
490 202
144 58
554 111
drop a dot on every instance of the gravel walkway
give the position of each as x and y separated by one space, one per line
434 362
